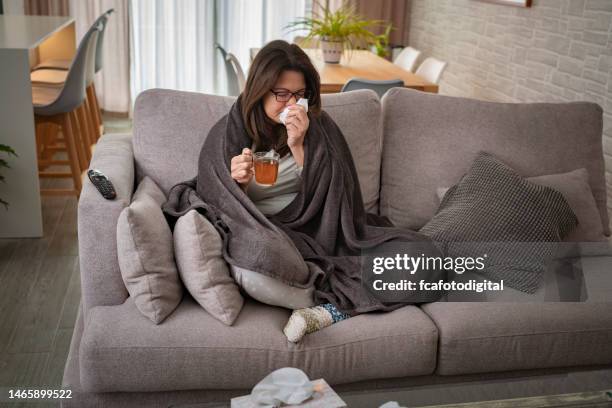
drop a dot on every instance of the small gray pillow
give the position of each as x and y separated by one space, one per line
146 254
271 291
496 212
574 186
199 257
576 189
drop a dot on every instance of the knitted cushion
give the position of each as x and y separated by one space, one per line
496 212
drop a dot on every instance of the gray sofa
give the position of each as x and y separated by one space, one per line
404 148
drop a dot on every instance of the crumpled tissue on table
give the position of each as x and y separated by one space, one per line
391 404
286 385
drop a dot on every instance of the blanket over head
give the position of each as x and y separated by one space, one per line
315 240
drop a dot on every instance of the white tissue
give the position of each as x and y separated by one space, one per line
304 103
286 385
283 116
391 404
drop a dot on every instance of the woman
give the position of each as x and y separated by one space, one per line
292 81
310 228
282 86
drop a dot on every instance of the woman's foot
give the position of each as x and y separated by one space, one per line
311 319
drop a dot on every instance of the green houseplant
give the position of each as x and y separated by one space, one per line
380 45
4 164
337 31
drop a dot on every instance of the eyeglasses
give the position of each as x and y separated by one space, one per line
283 95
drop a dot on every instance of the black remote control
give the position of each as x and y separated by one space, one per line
102 183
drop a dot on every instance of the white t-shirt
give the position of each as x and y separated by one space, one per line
272 199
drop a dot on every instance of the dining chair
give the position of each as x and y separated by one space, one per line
231 58
60 106
233 88
380 87
221 50
252 53
407 58
431 69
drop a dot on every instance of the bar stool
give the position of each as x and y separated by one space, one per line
85 122
53 73
99 63
47 139
64 64
58 106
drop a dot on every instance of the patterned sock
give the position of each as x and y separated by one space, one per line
311 319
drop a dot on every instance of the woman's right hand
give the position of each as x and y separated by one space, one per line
242 167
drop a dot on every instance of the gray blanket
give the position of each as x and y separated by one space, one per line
318 238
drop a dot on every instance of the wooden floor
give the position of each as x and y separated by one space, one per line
40 292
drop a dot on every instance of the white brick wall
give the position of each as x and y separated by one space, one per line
557 50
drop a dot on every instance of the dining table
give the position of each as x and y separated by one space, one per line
24 42
362 64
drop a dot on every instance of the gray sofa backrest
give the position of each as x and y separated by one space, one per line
170 128
431 140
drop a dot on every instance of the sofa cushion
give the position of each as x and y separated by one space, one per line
359 116
272 291
122 351
431 140
492 205
198 250
488 337
170 128
575 188
146 254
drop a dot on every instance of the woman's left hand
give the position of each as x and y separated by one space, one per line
297 124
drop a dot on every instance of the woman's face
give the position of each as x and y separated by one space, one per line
288 82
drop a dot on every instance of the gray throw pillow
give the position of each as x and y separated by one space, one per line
494 211
576 190
146 254
272 291
202 268
574 186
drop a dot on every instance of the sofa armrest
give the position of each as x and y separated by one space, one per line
101 282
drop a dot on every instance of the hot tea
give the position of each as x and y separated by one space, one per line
266 167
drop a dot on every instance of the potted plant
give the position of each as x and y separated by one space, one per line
337 31
381 45
3 163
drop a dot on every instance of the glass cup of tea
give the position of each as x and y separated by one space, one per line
266 167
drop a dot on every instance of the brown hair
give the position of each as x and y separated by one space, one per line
269 63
